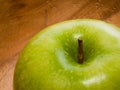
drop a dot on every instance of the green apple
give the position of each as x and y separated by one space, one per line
81 54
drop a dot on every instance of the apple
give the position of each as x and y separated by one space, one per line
82 54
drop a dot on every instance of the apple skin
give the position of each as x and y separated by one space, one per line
50 60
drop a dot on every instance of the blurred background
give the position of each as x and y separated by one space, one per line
20 20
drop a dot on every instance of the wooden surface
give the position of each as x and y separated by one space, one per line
21 19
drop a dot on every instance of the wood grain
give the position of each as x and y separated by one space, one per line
20 20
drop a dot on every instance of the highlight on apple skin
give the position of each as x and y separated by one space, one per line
82 54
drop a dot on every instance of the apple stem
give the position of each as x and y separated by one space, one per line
80 48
